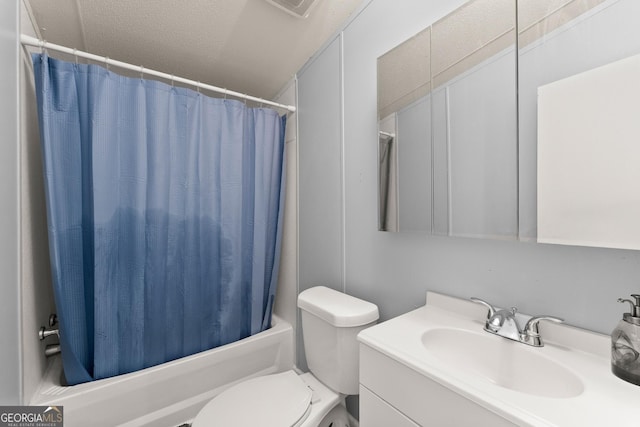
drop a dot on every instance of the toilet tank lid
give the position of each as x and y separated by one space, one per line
337 308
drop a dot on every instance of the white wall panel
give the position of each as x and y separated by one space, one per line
320 171
320 208
287 292
36 289
11 371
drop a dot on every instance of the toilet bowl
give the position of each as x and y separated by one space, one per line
331 321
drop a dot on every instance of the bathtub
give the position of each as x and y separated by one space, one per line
169 394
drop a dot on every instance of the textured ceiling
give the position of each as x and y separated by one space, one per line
248 46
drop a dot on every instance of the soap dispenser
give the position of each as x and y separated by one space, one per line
625 344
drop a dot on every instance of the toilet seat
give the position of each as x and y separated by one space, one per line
269 401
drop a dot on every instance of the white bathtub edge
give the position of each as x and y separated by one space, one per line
170 393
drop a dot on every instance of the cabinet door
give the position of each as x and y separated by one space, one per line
375 412
417 396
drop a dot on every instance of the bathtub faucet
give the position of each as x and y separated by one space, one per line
52 349
43 333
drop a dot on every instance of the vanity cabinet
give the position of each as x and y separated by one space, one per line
392 394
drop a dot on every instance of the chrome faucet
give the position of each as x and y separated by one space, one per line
503 322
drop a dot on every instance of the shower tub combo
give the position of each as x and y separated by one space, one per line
172 393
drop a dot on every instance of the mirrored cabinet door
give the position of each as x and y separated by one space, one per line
578 131
447 122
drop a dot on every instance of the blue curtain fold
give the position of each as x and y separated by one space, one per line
164 210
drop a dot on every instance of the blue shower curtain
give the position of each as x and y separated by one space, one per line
164 211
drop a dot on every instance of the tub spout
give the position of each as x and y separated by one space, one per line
52 349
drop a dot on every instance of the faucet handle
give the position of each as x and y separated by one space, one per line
492 310
531 328
44 332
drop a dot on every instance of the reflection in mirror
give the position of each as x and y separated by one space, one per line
387 197
450 93
474 119
404 151
459 76
414 166
559 39
582 128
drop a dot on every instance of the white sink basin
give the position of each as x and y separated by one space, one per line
503 362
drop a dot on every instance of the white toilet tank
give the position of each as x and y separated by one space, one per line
330 322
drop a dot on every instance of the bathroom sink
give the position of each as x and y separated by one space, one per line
503 362
464 376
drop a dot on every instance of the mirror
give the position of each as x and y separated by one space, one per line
404 150
596 204
479 174
447 102
474 117
587 196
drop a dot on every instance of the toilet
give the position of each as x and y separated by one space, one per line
330 322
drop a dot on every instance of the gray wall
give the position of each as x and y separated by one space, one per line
394 270
10 373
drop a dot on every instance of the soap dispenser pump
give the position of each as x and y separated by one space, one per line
625 344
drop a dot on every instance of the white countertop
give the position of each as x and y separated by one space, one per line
605 401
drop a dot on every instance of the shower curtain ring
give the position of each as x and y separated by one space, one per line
43 48
198 87
106 61
172 77
225 94
141 72
75 55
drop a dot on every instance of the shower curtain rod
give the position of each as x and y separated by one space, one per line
43 44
